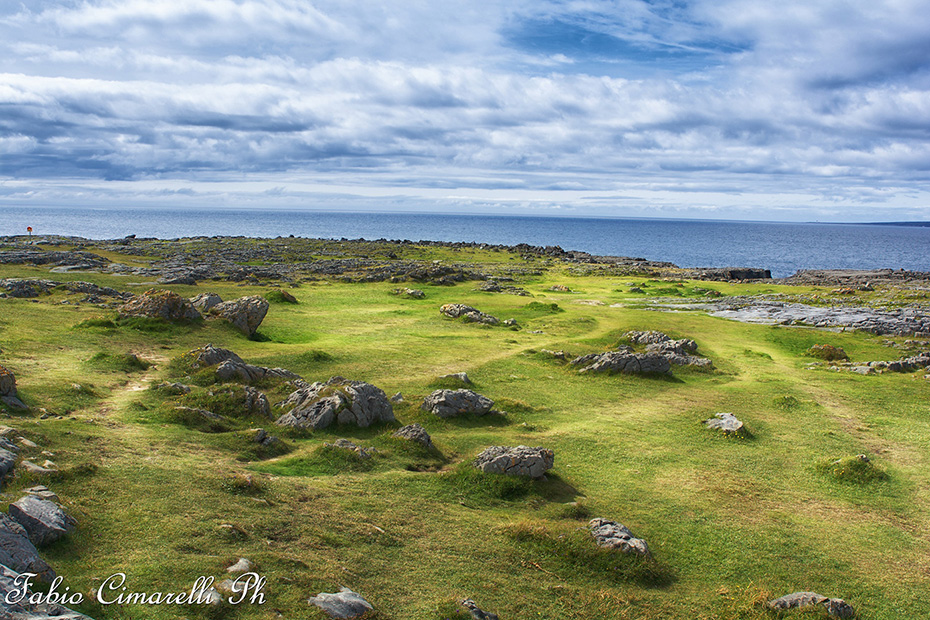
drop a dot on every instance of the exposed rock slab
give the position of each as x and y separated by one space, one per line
451 403
44 521
338 400
515 461
159 304
613 535
836 607
343 604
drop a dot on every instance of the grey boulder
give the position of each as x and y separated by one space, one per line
338 400
245 313
613 535
17 551
468 314
728 423
343 604
7 461
414 432
450 403
515 461
206 301
44 521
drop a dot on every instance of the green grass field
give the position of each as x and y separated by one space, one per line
731 522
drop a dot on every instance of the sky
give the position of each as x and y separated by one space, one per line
723 109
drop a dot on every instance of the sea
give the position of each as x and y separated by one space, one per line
781 247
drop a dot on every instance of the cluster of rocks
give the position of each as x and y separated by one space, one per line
413 293
339 400
245 313
468 314
8 394
677 352
231 367
836 607
729 274
858 279
345 444
515 461
623 362
34 521
920 361
71 260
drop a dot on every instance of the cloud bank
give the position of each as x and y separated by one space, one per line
734 108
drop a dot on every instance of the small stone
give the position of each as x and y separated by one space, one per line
726 422
242 566
460 376
613 535
397 398
42 492
476 612
414 432
836 607
32 468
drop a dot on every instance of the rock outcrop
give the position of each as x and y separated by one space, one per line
623 362
44 521
245 313
339 400
230 367
613 535
17 551
206 301
515 461
468 314
159 304
450 403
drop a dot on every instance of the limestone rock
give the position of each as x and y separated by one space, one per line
8 393
16 287
17 551
515 461
648 337
42 492
230 367
211 356
245 313
622 362
476 612
338 400
343 604
726 422
450 403
23 609
414 432
173 388
459 376
613 535
836 607
206 301
7 461
468 314
44 521
410 292
160 304
262 437
345 444
37 470
242 566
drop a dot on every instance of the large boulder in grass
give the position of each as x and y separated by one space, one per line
159 304
245 313
339 400
44 521
17 551
450 403
515 461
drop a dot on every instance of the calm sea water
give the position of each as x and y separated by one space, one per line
782 247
